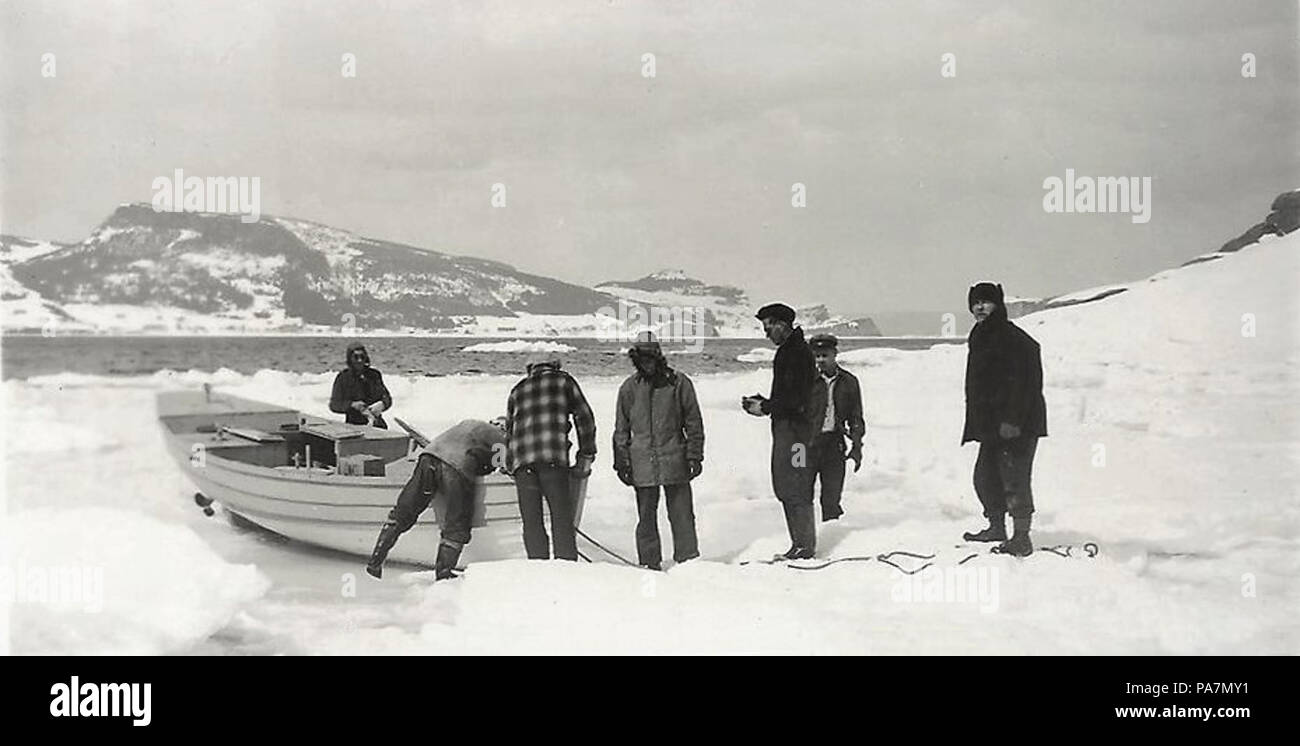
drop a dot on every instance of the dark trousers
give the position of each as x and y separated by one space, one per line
1002 477
550 482
828 462
792 478
432 478
681 517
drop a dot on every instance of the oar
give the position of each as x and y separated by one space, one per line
416 435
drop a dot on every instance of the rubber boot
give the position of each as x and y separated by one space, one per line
387 538
997 531
1019 544
445 563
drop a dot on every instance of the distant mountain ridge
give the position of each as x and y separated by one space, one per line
147 271
279 269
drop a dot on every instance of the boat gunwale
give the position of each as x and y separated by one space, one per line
303 475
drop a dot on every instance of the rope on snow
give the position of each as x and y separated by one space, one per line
605 549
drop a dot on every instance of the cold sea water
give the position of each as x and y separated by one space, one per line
26 356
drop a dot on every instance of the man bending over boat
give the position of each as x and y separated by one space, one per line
447 467
359 391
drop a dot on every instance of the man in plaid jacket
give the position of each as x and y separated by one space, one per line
537 432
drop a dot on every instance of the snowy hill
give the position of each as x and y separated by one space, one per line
728 311
145 271
817 318
724 311
1283 218
19 305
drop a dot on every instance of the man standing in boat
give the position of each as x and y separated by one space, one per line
537 428
359 391
447 468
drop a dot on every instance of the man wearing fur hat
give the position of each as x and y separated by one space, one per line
1006 414
793 426
659 441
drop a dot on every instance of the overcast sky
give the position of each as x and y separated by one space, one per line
917 184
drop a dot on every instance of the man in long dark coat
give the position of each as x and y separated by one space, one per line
794 371
1006 413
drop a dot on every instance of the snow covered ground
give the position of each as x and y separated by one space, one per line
1174 446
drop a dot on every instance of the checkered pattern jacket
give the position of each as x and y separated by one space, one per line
538 415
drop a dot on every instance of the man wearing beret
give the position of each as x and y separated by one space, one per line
1006 414
837 403
793 426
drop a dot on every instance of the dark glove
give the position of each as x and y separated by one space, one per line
855 455
625 476
696 468
753 404
581 467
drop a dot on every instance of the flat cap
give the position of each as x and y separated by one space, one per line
778 311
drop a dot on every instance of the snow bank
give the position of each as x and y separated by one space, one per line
758 355
102 581
1211 316
1046 604
519 345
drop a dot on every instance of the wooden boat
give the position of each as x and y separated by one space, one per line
320 482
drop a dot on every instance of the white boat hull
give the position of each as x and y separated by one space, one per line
344 513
